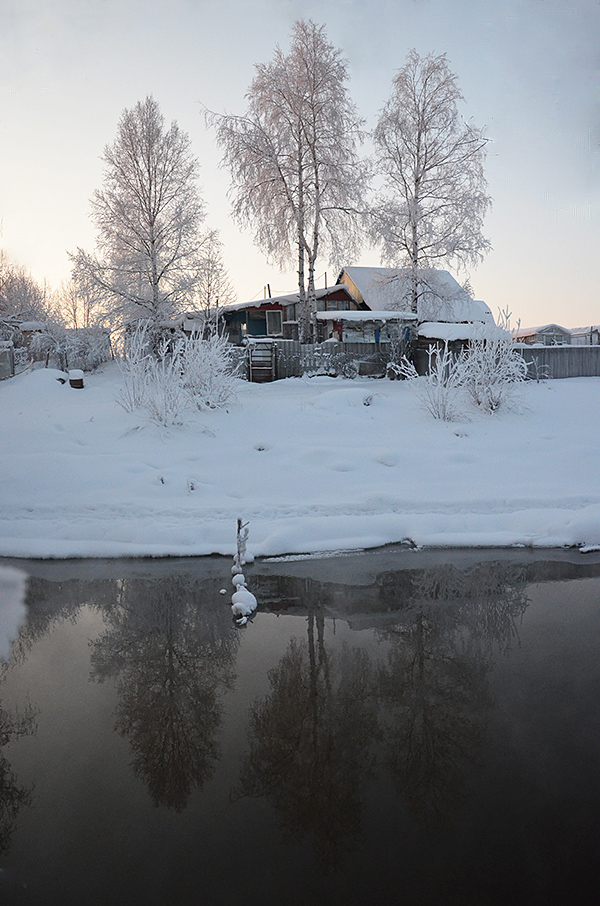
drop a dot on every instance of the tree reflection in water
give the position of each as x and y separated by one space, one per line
13 796
310 743
310 739
433 688
172 660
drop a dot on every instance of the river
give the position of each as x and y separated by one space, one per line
392 726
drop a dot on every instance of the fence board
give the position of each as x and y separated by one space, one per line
562 361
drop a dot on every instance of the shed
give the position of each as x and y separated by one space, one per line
586 336
545 335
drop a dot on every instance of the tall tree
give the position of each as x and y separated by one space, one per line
297 177
149 216
435 199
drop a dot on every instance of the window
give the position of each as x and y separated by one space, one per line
273 323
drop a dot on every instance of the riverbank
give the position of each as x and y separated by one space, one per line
314 465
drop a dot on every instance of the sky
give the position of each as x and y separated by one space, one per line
529 71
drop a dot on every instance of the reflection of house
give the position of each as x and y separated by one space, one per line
546 335
365 326
586 336
278 317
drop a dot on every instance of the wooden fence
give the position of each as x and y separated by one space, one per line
561 361
293 359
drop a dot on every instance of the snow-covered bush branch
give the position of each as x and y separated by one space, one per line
491 368
487 371
439 390
181 374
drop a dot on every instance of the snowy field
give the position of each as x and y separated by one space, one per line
315 465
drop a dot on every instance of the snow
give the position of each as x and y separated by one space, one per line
366 316
439 330
313 465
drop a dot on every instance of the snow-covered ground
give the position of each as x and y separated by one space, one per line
314 464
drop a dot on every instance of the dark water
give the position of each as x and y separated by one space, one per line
392 728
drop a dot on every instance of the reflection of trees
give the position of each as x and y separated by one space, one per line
310 740
13 796
51 603
434 683
172 659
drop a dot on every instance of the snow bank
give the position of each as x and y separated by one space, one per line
316 465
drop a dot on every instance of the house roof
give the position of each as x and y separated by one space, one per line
437 330
531 331
289 299
441 299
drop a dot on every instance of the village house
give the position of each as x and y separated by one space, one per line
446 313
585 336
277 317
546 335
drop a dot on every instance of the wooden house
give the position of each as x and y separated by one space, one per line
585 336
546 335
440 296
278 317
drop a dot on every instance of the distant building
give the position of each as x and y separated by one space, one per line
585 336
545 335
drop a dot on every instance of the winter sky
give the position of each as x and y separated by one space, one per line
529 71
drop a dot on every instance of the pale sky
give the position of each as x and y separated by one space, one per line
529 71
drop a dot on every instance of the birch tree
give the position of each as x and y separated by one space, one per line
435 197
148 215
297 178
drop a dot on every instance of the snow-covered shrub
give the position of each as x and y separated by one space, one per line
491 368
134 367
64 348
208 370
179 374
439 390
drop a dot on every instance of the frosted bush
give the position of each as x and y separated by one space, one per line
439 390
208 370
177 375
491 368
165 396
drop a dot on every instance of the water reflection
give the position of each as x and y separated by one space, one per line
381 696
14 796
310 742
172 660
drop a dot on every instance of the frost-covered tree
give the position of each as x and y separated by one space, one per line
80 304
148 215
297 178
21 297
435 196
214 289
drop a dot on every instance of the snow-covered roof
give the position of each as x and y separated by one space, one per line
366 316
441 296
575 331
289 299
441 330
530 331
32 325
